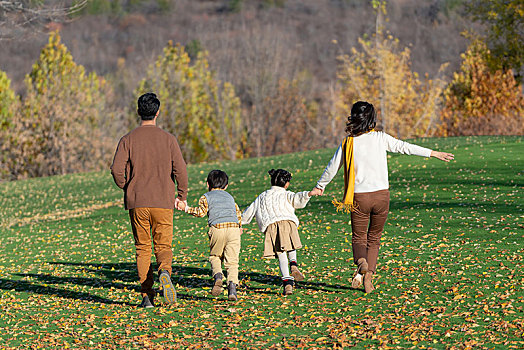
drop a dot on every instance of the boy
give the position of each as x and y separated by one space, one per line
225 228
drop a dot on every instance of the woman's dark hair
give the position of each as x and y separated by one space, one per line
217 179
279 177
362 119
148 105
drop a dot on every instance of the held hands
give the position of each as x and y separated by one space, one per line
316 192
446 157
180 205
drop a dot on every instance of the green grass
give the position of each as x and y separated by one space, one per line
450 271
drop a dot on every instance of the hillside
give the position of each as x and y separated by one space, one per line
450 270
299 32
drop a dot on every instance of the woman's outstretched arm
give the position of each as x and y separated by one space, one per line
446 157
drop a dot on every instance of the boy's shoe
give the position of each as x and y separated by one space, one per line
368 282
146 303
288 287
357 280
167 287
362 266
232 291
295 272
217 285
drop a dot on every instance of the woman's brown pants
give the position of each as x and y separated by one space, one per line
367 224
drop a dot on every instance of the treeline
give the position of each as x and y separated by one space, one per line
68 120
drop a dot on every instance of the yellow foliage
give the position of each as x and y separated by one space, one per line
8 101
9 105
381 74
481 102
201 111
63 126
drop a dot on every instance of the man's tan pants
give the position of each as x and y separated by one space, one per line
224 245
158 223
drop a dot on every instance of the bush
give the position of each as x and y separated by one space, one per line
201 111
482 102
63 124
287 120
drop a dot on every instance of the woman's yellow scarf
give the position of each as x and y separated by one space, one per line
347 203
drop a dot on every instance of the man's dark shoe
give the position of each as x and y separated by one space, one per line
232 291
167 287
217 285
146 303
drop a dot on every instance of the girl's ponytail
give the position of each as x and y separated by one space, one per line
279 177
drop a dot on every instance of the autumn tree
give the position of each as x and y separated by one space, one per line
9 105
505 31
64 124
200 110
381 73
480 101
8 101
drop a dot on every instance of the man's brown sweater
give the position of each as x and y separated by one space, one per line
147 163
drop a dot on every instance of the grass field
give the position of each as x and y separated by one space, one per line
450 272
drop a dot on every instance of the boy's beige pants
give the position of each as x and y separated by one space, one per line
224 246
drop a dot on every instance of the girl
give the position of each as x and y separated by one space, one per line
274 210
366 192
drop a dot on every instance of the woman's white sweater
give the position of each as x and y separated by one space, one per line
370 157
275 204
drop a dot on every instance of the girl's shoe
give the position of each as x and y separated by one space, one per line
217 285
295 272
288 287
368 282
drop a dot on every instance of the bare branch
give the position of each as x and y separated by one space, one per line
18 16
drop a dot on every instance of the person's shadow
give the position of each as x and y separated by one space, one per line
124 276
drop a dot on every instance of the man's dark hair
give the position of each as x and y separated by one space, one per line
148 105
217 179
279 177
363 118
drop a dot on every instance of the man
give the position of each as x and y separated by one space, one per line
147 163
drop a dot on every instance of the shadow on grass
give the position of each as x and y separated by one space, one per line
28 287
124 276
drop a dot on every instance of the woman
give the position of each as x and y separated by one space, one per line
366 193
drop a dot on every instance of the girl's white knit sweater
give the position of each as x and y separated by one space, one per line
370 157
275 204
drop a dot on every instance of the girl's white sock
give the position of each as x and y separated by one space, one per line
284 265
292 255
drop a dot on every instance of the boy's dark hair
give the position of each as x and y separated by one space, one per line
279 177
362 119
217 179
148 105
